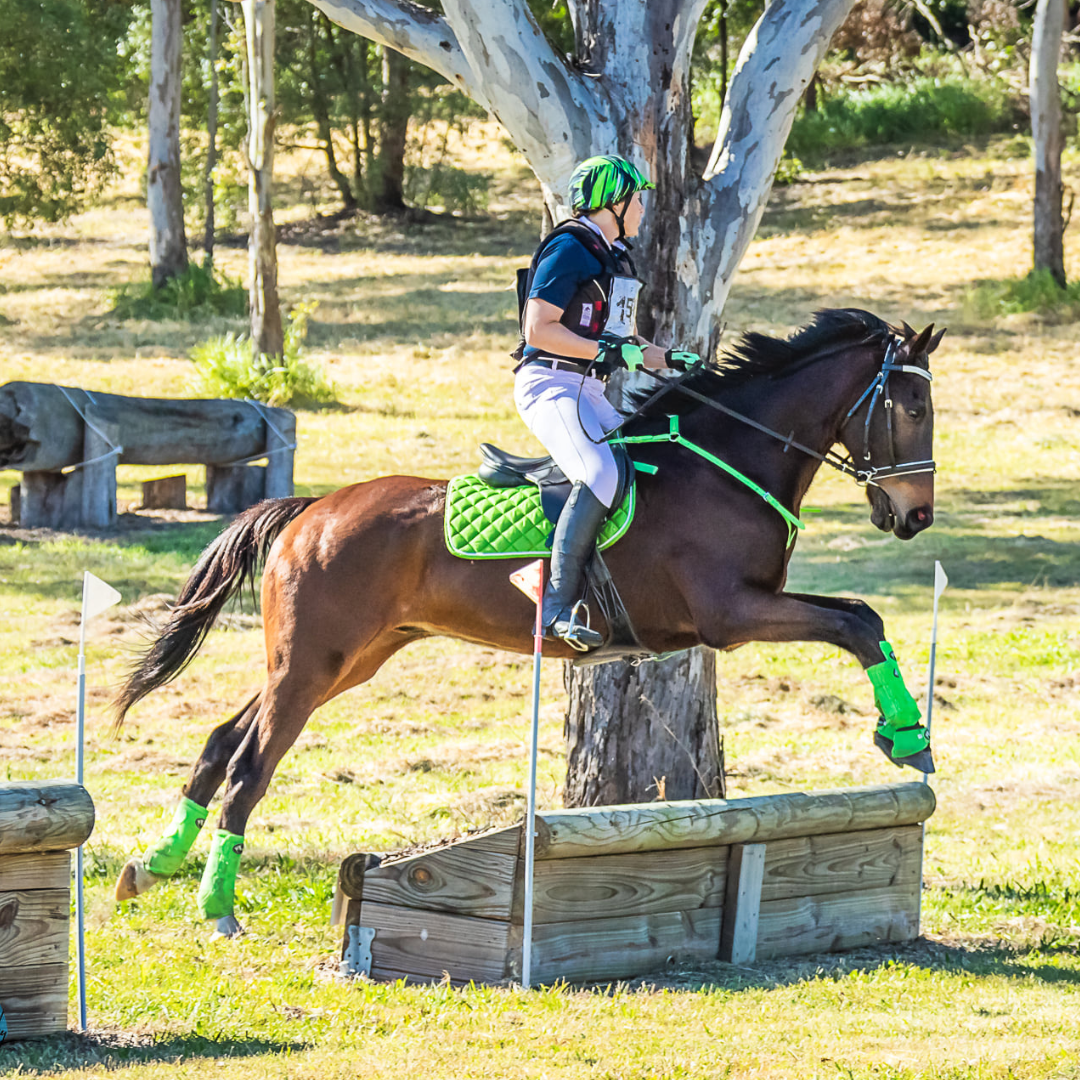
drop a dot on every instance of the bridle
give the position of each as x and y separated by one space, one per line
878 390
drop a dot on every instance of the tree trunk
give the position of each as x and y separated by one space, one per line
211 138
320 108
627 89
393 133
164 195
267 334
634 734
1049 137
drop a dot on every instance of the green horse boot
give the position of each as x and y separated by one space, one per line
900 734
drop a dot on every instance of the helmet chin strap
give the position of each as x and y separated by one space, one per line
620 219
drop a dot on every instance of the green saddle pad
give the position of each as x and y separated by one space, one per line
482 522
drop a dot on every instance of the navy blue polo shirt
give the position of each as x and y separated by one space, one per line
563 269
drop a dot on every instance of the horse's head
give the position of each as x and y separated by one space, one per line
891 435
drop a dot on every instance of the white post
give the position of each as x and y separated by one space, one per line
97 596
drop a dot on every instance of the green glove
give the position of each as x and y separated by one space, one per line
619 352
681 359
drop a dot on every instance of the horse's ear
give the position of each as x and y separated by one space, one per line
935 341
917 347
909 332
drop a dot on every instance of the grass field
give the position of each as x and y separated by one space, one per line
413 327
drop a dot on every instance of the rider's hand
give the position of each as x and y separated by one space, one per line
681 359
618 352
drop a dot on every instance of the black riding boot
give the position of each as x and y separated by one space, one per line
575 540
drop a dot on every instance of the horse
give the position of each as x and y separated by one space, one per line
352 577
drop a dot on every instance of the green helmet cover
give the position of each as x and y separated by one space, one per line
604 181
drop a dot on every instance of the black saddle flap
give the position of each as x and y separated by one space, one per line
503 470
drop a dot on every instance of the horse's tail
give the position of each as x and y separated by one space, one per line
231 560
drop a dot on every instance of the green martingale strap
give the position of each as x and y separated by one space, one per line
483 522
675 436
217 892
169 853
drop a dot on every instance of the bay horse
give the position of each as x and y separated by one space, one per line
354 576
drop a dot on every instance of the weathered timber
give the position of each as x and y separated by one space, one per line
838 921
813 865
97 495
35 999
15 503
425 945
229 490
47 815
165 493
35 870
635 884
652 826
452 879
33 927
601 949
40 430
746 869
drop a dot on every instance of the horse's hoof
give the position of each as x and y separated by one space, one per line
228 926
922 762
135 879
885 746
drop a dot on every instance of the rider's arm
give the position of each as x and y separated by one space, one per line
545 332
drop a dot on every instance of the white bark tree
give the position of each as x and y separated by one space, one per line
164 195
626 90
1048 135
267 332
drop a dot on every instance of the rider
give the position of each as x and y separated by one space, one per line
578 325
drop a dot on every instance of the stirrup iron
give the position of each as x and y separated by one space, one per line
574 624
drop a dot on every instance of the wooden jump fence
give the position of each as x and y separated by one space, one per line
67 443
40 822
622 891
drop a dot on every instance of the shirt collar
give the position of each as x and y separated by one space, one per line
600 232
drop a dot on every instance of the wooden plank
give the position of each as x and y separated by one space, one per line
714 822
35 999
34 927
165 493
499 841
600 949
36 870
638 883
746 869
813 865
458 880
44 816
425 945
839 921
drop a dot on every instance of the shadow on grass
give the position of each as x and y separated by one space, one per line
117 1050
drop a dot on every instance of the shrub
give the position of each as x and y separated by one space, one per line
228 366
1038 292
196 293
915 111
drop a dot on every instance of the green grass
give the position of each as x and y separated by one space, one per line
1036 292
198 293
414 333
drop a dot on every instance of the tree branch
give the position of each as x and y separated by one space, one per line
775 66
415 31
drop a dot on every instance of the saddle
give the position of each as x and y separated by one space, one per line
498 469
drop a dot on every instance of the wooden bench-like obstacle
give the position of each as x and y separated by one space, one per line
39 823
67 443
622 891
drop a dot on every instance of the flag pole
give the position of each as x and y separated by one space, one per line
530 809
80 740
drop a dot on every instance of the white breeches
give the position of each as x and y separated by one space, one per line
563 415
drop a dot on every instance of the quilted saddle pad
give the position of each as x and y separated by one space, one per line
482 522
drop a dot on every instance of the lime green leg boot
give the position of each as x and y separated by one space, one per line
900 734
166 856
217 893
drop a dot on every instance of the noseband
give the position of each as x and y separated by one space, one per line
878 391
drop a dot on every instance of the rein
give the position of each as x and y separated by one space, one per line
878 390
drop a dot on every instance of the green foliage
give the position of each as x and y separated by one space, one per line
789 170
196 293
60 81
1037 292
903 112
228 367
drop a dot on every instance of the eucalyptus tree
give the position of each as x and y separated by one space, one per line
625 88
1048 135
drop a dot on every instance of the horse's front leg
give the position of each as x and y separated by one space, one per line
852 625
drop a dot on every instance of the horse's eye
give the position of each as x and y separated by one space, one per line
917 414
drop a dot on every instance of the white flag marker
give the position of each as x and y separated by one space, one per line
530 580
941 580
97 596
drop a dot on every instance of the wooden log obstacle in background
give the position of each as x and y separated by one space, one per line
68 442
40 822
621 891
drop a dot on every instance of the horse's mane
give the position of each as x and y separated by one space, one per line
759 356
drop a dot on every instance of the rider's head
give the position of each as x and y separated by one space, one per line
609 185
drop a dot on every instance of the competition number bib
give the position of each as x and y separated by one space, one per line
622 317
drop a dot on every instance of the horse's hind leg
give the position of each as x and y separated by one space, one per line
165 857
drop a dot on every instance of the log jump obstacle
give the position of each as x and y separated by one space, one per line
40 822
67 443
620 891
